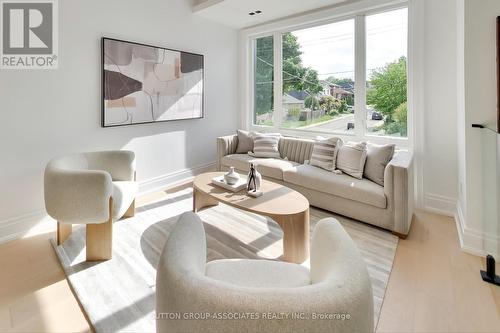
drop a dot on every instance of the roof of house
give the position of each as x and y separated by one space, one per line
300 95
288 99
339 90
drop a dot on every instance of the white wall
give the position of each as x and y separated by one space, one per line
478 225
440 171
47 113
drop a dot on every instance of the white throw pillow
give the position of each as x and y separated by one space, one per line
377 158
324 153
351 158
266 145
245 142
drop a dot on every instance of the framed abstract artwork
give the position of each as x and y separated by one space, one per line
147 84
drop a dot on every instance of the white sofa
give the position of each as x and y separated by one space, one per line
187 286
94 189
389 206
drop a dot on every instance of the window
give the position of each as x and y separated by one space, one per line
264 81
347 76
318 78
386 54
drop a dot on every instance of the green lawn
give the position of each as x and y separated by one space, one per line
302 123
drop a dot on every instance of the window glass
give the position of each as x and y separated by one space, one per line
264 80
386 77
318 78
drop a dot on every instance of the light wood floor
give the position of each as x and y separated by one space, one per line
434 286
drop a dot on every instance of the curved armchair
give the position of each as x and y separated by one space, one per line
334 296
94 189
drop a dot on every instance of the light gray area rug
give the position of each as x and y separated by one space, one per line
119 294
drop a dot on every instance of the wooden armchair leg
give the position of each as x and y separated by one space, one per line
100 238
63 232
99 241
131 210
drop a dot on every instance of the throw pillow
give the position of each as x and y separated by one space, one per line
324 153
266 145
377 158
245 142
351 159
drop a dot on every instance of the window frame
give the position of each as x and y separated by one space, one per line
358 12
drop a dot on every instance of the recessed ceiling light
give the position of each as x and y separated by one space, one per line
255 12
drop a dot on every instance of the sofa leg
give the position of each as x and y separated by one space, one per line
63 232
131 210
99 238
402 236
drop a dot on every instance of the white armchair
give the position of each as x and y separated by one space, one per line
188 288
95 189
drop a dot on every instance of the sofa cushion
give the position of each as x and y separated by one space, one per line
376 160
324 154
245 142
258 273
268 167
266 145
351 158
361 190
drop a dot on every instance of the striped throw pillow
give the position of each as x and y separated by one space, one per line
266 145
324 153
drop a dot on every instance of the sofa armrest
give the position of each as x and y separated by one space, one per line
398 187
226 145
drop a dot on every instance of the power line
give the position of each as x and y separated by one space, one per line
292 75
341 37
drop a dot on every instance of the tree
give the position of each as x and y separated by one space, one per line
295 75
311 102
400 121
343 107
388 88
332 105
327 103
264 75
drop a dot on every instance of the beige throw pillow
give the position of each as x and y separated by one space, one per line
378 156
351 158
324 153
245 142
266 145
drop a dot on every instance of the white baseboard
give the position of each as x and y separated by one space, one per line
471 241
173 178
20 226
475 242
440 204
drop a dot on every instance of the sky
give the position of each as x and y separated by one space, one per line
329 49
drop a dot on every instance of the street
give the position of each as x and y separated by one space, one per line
340 124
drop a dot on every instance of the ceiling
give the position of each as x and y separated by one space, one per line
234 13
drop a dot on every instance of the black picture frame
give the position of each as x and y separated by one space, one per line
103 83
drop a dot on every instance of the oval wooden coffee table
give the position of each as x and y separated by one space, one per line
287 207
